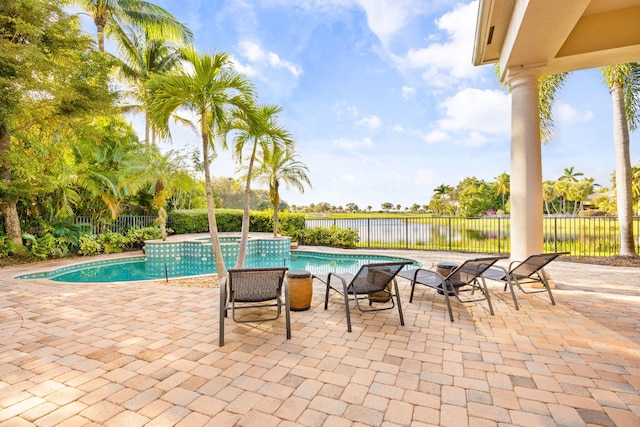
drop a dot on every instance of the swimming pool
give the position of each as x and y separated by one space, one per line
139 268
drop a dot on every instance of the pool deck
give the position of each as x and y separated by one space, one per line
121 354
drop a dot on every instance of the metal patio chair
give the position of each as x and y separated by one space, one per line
463 279
373 282
529 271
254 288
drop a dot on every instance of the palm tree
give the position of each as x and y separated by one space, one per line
443 190
281 167
256 127
141 58
570 175
160 174
209 87
624 85
501 186
110 17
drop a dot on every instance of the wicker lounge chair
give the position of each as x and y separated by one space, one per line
372 282
529 271
463 279
254 288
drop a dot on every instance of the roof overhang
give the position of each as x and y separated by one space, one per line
557 36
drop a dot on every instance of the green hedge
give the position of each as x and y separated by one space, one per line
196 221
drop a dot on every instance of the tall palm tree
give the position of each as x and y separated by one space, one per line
141 57
570 175
208 86
281 167
255 127
501 186
110 16
624 85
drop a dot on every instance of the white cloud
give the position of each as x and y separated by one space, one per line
344 110
408 92
372 122
565 113
443 62
386 18
398 128
484 111
436 136
255 54
352 144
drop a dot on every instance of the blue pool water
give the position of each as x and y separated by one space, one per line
138 268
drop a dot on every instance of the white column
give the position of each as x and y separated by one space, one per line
526 165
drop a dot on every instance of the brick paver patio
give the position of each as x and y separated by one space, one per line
146 354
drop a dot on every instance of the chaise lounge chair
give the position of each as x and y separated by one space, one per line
254 288
526 272
372 282
465 278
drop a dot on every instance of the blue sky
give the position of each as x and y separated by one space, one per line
382 99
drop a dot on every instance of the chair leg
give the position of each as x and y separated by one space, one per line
326 295
486 294
346 305
287 313
445 291
223 311
395 283
545 282
513 292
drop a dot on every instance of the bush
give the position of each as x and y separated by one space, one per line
135 237
89 245
112 242
332 236
195 221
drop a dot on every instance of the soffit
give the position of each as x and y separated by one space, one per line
557 36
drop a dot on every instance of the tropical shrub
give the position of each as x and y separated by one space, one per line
89 245
112 242
135 237
323 236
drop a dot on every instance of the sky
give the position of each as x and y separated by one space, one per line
382 98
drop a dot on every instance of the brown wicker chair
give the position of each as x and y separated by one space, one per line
254 288
372 282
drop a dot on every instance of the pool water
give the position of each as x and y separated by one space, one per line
138 268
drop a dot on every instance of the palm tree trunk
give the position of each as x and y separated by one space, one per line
275 201
100 27
211 212
8 207
147 126
623 172
244 236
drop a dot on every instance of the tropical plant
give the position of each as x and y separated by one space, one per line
624 85
501 186
255 127
570 175
51 79
111 17
141 57
208 86
277 167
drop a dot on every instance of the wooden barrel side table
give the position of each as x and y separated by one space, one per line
300 289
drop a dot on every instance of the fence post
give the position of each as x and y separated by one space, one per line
368 232
555 234
499 234
449 233
406 233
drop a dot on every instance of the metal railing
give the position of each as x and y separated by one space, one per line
582 236
121 225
